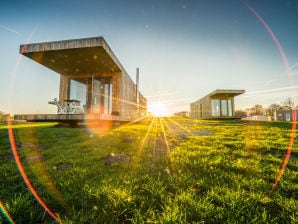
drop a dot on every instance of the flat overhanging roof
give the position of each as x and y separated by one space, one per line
226 93
77 56
222 93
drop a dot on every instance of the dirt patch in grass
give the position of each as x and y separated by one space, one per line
181 131
32 152
116 159
202 133
61 136
28 145
6 157
62 166
128 140
160 148
34 158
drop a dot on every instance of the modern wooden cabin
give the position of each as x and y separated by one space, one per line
217 105
90 74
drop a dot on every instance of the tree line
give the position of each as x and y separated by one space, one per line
3 116
258 109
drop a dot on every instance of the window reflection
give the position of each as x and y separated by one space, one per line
78 91
222 107
102 95
95 94
215 108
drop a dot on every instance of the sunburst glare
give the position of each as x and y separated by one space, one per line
157 109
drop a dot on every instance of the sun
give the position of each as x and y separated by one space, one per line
157 109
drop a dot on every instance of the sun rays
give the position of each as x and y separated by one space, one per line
158 109
159 132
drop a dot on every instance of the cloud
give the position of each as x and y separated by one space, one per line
9 29
253 93
293 67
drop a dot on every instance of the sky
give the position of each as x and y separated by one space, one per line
185 49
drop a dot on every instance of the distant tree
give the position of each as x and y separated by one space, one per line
288 104
256 110
272 108
240 113
1 116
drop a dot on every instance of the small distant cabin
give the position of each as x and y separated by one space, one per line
182 114
217 105
285 115
90 75
258 118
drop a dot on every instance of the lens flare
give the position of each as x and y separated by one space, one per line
288 70
5 213
23 172
158 109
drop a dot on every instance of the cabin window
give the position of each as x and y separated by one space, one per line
215 107
95 93
222 107
102 95
78 91
230 108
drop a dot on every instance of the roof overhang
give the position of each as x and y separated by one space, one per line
77 56
226 93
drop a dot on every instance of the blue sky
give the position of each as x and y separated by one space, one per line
185 49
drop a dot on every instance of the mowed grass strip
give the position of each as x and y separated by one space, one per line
212 172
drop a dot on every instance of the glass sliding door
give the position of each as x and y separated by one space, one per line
215 103
106 98
102 95
96 96
224 108
230 108
78 91
110 96
96 91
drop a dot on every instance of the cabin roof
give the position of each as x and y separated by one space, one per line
218 93
76 56
226 93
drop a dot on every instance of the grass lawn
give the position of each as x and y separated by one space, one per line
155 171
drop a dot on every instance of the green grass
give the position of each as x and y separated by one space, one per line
211 172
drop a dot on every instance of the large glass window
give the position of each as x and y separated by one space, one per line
230 108
97 91
102 95
96 96
215 107
110 97
222 107
78 91
106 98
